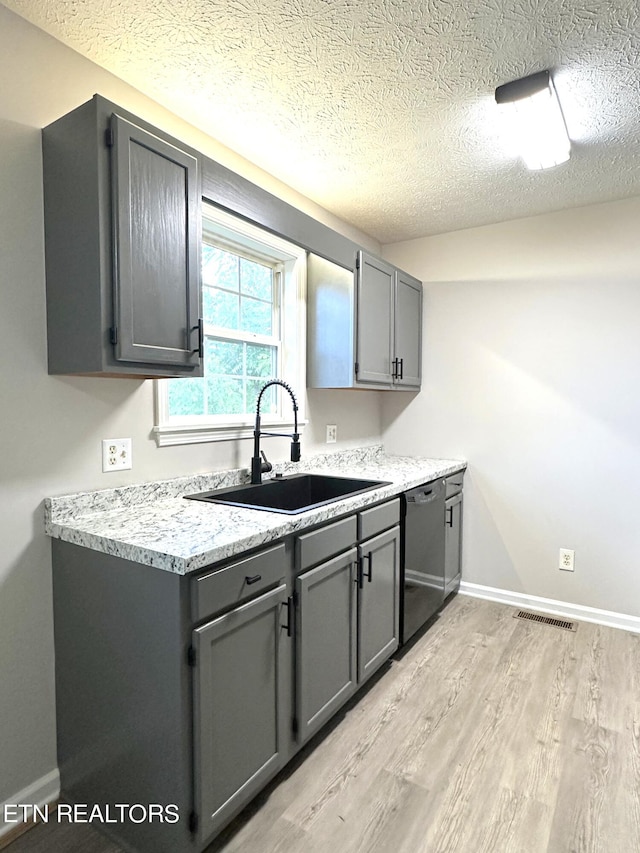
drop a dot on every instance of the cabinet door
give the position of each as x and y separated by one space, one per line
452 543
407 330
374 323
325 641
156 235
378 600
240 719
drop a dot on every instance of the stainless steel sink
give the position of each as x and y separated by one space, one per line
290 495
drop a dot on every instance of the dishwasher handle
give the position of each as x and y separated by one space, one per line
425 494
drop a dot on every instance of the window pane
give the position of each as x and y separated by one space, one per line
223 357
261 361
220 268
221 308
186 397
256 316
224 396
256 279
209 296
268 404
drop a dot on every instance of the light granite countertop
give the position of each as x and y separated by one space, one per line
153 524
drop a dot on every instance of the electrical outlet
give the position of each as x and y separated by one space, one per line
116 454
332 433
566 559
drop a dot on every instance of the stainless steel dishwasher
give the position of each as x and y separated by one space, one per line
422 555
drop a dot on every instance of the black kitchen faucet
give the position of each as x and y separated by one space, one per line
259 463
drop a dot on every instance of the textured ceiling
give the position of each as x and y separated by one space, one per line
382 111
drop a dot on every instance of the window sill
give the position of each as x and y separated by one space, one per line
170 435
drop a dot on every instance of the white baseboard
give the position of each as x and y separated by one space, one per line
550 605
43 791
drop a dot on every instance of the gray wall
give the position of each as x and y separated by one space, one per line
51 427
531 366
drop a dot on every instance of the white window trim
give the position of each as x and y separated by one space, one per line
170 431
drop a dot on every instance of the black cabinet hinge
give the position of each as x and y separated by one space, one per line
193 823
113 335
109 137
357 367
191 656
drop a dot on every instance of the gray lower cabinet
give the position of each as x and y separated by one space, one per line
378 601
452 543
241 723
122 237
325 641
196 690
347 611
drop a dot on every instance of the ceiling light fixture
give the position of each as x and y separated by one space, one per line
537 124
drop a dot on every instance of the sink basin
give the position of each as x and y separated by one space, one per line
289 495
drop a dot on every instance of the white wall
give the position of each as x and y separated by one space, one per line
51 427
531 372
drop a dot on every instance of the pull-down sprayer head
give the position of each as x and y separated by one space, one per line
257 466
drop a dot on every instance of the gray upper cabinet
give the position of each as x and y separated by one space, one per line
364 328
122 235
240 706
155 192
407 331
374 330
389 324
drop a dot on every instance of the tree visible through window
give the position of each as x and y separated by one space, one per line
241 299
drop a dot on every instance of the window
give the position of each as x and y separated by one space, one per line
241 302
253 311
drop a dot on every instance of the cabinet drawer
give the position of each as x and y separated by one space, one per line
453 483
226 587
319 545
378 518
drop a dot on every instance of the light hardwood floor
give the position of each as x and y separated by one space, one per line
488 734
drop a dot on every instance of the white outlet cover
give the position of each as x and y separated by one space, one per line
566 559
116 454
332 433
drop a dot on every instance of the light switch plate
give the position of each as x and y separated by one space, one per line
116 454
332 433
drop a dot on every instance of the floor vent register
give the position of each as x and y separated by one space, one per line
545 620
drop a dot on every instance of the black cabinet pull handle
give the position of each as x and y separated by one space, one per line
401 360
394 368
369 574
449 521
200 348
361 574
253 579
290 612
